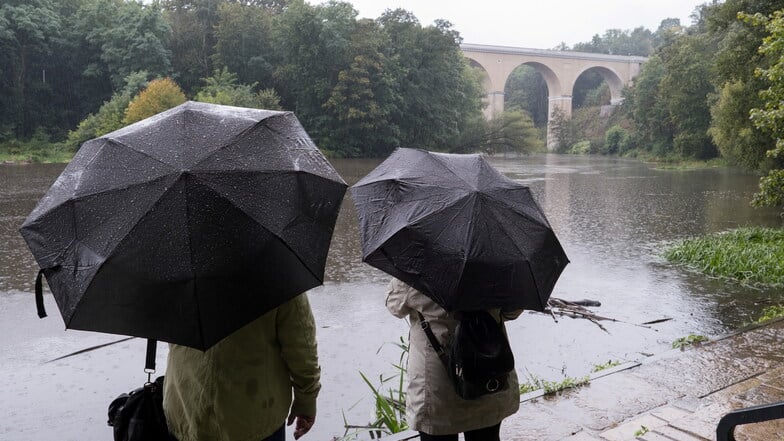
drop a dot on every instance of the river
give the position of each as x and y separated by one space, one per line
613 217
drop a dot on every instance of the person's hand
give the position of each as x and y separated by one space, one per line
304 423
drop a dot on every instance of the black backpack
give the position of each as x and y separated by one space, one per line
478 359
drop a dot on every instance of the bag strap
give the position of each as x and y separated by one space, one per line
149 363
39 294
434 341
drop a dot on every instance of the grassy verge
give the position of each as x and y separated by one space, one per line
34 150
675 162
752 255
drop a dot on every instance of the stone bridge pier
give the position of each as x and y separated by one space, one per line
560 70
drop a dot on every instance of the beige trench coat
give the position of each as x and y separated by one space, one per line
432 406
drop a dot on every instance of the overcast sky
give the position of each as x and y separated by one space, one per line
539 24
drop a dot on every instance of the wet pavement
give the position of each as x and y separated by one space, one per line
677 395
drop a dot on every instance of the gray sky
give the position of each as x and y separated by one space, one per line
539 24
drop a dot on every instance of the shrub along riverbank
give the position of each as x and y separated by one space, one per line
36 150
751 255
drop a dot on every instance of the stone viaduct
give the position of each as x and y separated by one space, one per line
560 70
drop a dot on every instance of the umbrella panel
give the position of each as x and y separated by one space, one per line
229 266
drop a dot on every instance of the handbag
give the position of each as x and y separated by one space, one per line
478 359
138 415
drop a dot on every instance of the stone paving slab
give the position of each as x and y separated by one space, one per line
739 370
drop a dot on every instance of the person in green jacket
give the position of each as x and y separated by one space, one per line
241 388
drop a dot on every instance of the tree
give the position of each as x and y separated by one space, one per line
512 131
364 99
192 42
526 90
770 116
110 116
159 95
243 42
222 88
125 37
28 34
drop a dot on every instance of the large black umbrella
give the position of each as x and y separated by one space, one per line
456 229
187 225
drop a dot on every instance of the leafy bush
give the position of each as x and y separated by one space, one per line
615 137
161 94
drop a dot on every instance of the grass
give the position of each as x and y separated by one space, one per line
689 340
641 431
770 313
551 387
35 150
752 255
608 365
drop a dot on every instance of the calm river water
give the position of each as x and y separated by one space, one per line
612 216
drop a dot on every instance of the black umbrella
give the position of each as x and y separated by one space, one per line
456 229
187 225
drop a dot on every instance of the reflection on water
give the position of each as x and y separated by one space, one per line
612 216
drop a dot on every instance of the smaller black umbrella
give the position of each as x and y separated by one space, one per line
456 229
187 225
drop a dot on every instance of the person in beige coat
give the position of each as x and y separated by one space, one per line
432 406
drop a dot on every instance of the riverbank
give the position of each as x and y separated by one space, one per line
33 151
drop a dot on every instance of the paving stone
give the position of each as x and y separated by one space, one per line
581 436
627 430
672 433
670 413
535 422
608 401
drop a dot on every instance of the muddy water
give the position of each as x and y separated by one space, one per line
612 216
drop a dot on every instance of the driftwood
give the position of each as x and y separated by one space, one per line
577 309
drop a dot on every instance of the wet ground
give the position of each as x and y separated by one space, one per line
675 396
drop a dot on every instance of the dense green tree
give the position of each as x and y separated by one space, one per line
738 140
526 90
647 109
223 88
313 45
618 42
193 39
29 32
512 131
364 99
243 42
685 88
125 37
770 116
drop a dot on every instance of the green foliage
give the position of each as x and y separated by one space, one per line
222 88
390 405
615 140
691 339
526 90
551 387
770 116
746 255
641 431
512 131
615 41
111 114
159 95
38 149
608 365
770 313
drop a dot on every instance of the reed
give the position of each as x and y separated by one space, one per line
751 255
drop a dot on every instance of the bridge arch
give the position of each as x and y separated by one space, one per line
560 70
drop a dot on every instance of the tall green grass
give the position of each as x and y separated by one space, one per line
751 255
37 149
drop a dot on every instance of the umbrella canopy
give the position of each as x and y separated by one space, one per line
456 229
187 225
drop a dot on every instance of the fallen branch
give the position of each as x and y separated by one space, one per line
577 309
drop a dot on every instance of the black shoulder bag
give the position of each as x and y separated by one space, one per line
479 359
138 415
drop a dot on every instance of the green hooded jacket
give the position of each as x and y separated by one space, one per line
241 388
